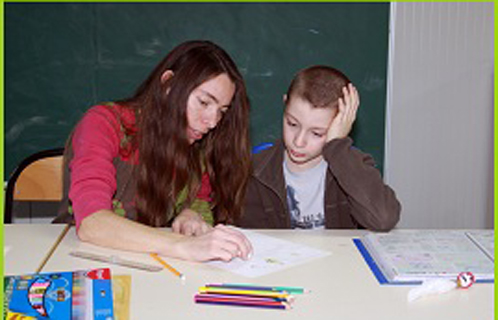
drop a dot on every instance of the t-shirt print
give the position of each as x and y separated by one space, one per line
299 220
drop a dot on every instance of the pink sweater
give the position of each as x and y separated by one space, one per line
96 142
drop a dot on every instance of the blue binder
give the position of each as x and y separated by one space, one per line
379 275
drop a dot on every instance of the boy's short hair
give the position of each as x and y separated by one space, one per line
319 85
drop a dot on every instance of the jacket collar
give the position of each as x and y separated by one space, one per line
268 167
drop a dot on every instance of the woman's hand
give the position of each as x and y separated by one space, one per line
343 121
219 243
105 228
190 223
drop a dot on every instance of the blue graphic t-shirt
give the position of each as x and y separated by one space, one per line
305 196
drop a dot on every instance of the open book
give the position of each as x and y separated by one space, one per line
411 256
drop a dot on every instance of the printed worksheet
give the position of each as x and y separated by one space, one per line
270 255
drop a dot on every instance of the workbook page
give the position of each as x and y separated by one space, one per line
270 255
406 255
484 239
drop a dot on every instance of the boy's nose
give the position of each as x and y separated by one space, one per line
299 140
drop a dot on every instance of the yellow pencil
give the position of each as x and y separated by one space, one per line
167 266
244 292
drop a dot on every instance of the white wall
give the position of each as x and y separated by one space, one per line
439 142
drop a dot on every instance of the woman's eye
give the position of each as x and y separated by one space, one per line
203 103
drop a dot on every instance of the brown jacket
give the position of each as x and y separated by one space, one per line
355 195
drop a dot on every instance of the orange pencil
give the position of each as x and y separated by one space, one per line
167 266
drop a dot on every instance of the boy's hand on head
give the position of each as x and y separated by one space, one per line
190 223
343 122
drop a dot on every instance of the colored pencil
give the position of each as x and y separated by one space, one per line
277 305
240 286
167 266
259 293
243 297
246 302
52 249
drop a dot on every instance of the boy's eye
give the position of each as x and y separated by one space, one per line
317 134
291 124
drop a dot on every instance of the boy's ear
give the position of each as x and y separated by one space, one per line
168 74
285 98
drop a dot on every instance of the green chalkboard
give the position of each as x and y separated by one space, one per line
62 58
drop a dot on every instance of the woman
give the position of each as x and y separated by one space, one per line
165 157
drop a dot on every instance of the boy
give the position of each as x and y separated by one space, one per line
314 178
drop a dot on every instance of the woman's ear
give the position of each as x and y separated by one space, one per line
168 74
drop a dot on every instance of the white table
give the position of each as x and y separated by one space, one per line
342 285
26 245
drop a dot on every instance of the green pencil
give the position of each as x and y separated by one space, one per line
242 286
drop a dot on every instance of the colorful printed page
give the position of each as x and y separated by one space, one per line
78 295
414 255
270 255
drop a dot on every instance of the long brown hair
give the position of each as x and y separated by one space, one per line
167 162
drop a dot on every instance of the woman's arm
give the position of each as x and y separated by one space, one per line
93 183
105 228
95 144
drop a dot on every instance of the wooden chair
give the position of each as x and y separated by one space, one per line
37 178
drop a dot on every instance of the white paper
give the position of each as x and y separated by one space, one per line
431 287
270 255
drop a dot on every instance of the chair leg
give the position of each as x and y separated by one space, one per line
7 217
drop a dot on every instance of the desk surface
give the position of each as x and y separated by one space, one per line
342 285
26 245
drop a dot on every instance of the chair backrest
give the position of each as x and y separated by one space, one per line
262 146
37 178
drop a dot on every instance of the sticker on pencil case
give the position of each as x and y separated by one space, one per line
465 280
36 295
